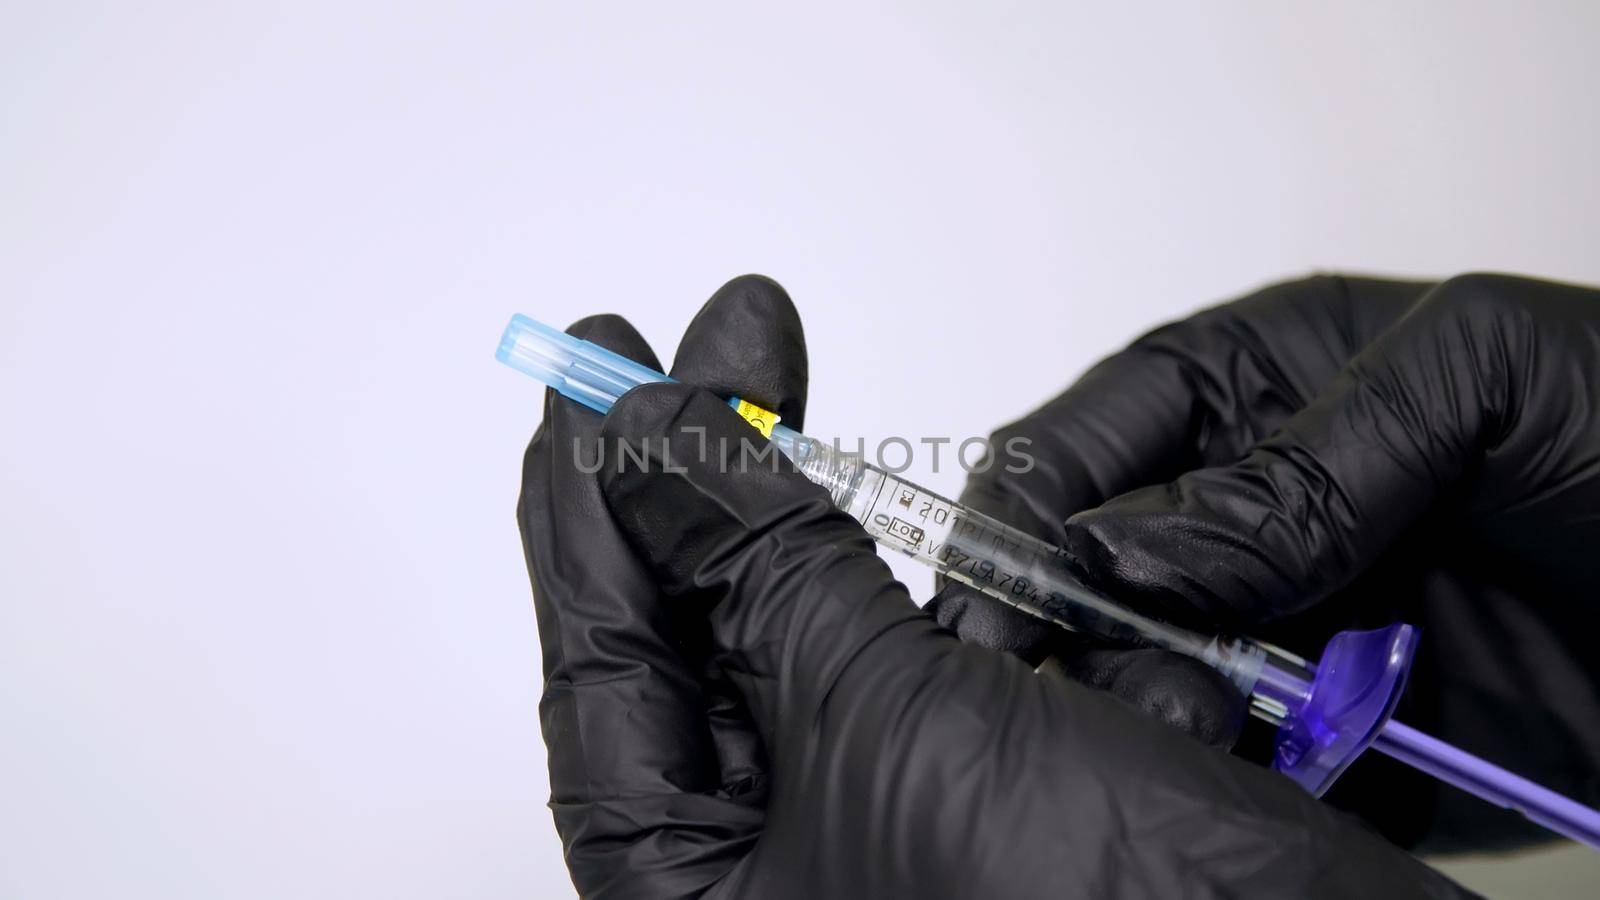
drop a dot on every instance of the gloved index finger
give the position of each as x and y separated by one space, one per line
1438 410
589 594
623 712
1193 393
1189 394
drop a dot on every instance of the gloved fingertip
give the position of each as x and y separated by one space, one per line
1146 558
1084 537
1184 693
747 341
982 620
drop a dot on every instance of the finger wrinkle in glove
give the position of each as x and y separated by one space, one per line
669 845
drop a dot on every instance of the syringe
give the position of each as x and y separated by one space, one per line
1327 712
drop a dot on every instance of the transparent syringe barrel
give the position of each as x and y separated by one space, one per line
1019 569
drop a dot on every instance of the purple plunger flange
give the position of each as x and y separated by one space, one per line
1345 708
1353 693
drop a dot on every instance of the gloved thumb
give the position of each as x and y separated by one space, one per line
794 589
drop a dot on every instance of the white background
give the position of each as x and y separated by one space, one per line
264 625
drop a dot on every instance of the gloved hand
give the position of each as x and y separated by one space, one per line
1340 452
741 701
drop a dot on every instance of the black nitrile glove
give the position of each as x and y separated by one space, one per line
1337 453
741 701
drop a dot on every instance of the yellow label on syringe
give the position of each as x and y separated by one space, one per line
762 419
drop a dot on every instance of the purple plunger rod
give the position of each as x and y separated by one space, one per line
1489 781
